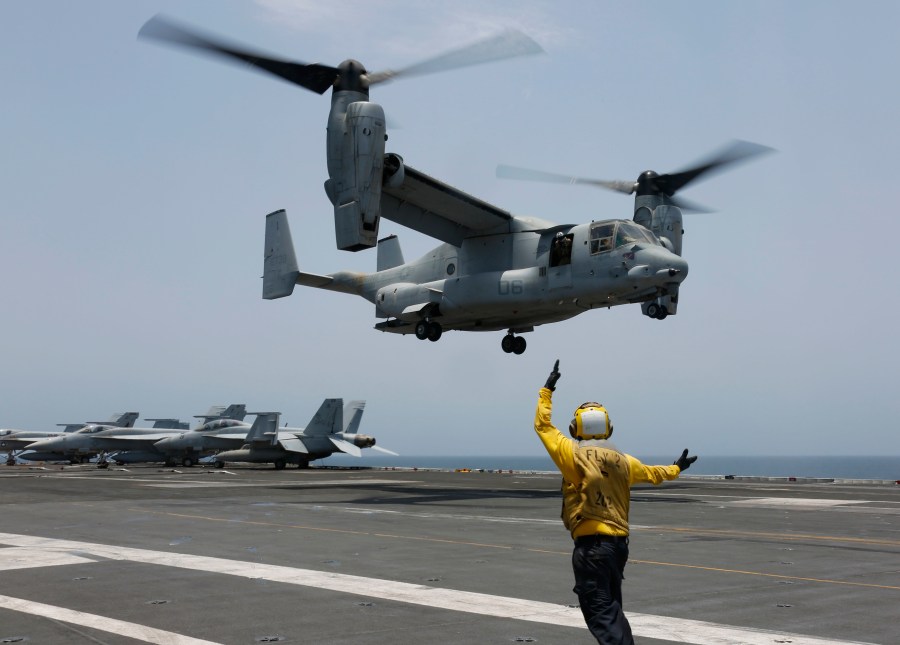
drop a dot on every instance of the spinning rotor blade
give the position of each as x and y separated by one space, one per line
651 183
669 184
526 174
314 77
508 44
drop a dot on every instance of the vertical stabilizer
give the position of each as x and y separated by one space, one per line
353 412
327 420
280 270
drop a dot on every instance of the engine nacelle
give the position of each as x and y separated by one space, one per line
356 160
404 300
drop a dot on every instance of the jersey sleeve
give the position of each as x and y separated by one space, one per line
641 474
557 444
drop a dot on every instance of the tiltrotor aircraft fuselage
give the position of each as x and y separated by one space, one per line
494 270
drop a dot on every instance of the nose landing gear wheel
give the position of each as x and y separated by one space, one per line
657 311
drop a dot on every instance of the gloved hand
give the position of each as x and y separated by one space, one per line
684 462
554 377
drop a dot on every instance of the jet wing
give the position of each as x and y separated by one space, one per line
293 444
429 206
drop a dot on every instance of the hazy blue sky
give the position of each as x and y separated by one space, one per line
135 180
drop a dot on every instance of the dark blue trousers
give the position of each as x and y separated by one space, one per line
599 566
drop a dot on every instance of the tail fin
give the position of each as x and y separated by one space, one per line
119 420
389 253
236 411
169 424
327 420
264 428
280 270
353 412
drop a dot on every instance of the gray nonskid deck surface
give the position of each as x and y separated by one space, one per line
252 555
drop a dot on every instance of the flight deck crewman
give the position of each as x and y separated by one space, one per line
597 478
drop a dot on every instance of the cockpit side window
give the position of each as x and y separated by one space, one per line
630 233
601 238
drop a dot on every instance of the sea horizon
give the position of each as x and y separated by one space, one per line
837 467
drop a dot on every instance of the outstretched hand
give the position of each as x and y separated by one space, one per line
684 462
554 377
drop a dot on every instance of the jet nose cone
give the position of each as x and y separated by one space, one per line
41 446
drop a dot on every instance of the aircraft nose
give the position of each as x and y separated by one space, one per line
677 268
42 446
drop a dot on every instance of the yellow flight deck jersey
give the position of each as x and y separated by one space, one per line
597 472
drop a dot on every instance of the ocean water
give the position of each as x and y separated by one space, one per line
831 467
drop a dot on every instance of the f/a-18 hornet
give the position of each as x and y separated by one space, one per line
494 270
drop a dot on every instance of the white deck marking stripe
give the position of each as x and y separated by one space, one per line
644 625
111 625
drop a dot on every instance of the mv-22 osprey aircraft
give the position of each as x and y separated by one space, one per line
494 270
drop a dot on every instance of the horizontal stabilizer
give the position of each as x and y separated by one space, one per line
280 270
346 446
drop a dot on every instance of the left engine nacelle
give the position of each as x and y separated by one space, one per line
356 163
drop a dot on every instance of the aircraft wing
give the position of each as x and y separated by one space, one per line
292 444
429 206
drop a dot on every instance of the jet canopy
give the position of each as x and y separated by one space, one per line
611 234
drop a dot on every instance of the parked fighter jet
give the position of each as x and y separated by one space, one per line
332 429
130 444
15 442
152 448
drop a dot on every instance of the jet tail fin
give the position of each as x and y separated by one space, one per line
119 420
280 270
328 419
353 412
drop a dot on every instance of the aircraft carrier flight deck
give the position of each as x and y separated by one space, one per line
245 555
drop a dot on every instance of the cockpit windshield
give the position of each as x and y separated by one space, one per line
605 236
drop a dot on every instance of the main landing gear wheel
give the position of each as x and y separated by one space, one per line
187 462
657 311
279 464
428 330
512 344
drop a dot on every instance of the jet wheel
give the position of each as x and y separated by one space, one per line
422 329
220 464
434 331
519 345
279 464
508 343
187 462
653 310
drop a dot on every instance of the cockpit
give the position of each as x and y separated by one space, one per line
92 429
609 235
